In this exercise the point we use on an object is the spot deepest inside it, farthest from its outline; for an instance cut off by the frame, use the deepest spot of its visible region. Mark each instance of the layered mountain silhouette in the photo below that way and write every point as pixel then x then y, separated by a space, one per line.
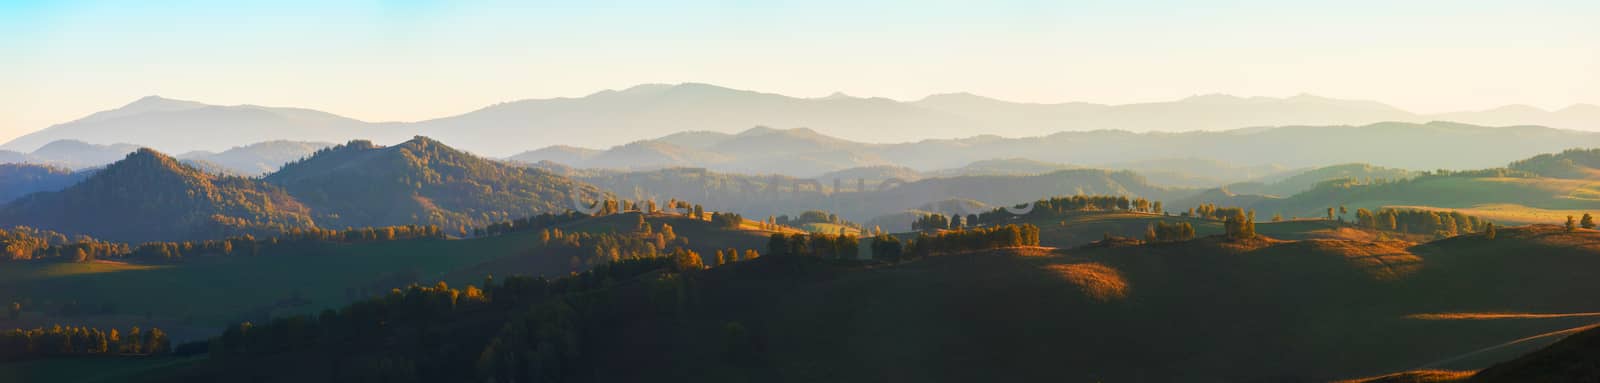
pixel 613 117
pixel 1211 158
pixel 151 196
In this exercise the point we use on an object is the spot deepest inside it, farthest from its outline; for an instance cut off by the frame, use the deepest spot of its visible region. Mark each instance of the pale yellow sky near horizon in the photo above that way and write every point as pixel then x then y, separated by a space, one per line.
pixel 414 60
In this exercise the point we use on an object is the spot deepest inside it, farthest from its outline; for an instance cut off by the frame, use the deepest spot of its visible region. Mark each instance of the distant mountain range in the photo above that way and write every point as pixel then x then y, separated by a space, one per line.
pixel 613 117
pixel 1200 159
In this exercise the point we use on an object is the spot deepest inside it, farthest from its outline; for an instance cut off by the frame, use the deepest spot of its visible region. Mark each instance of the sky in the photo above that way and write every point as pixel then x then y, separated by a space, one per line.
pixel 410 60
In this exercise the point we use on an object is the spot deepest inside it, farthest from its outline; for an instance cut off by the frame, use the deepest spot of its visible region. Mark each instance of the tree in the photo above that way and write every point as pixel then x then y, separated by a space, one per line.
pixel 1572 224
pixel 699 212
pixel 1330 214
pixel 667 233
pixel 750 254
pixel 721 259
pixel 1239 226
pixel 1488 231
pixel 1587 222
pixel 687 260
pixel 777 244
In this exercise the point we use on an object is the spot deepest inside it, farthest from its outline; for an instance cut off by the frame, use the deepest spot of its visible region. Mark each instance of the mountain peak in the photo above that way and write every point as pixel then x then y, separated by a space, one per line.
pixel 155 102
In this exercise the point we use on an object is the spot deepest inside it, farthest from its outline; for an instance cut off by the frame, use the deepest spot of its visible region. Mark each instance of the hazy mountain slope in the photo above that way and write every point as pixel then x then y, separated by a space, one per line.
pixel 150 196
pixel 562 154
pixel 1289 183
pixel 17 180
pixel 1196 171
pixel 1005 166
pixel 184 126
pixel 1449 145
pixel 78 154
pixel 422 181
pixel 849 179
pixel 1576 117
pixel 259 158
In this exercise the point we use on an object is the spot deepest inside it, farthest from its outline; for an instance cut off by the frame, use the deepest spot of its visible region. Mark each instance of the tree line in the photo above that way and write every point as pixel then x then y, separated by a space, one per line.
pixel 1418 221
pixel 1161 231
pixel 980 238
pixel 58 341
pixel 24 243
pixel 814 245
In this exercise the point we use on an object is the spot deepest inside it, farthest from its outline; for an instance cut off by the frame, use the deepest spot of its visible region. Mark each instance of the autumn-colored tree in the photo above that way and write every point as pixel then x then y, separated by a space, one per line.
pixel 1587 222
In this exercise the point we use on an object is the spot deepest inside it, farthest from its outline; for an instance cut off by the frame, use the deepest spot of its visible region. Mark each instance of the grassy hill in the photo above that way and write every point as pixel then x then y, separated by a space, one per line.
pixel 421 181
pixel 151 196
pixel 193 297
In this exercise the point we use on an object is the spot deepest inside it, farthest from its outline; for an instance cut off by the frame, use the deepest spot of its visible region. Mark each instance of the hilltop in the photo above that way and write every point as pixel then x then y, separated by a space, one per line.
pixel 422 181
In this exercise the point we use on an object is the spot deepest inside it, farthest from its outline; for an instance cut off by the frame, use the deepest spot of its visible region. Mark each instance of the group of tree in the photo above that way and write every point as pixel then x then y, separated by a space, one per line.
pixel 814 245
pixel 1418 221
pixel 24 243
pixel 1240 225
pixel 726 220
pixel 58 341
pixel 814 216
pixel 536 222
pixel 1161 231
pixel 593 249
pixel 978 238
pixel 1587 222
pixel 1059 206
pixel 1213 212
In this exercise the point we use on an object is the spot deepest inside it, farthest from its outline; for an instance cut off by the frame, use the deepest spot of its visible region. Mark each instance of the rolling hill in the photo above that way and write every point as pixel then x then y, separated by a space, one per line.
pixel 422 181
pixel 151 196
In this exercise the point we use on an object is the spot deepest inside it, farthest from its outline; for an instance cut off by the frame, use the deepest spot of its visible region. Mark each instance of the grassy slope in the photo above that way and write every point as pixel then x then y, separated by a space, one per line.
pixel 209 292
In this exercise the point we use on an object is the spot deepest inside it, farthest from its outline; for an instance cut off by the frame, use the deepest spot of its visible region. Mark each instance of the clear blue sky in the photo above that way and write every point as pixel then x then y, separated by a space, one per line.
pixel 409 60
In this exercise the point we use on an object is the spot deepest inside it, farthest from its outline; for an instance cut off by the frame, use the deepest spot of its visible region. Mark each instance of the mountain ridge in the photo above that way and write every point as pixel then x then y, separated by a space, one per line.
pixel 607 118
